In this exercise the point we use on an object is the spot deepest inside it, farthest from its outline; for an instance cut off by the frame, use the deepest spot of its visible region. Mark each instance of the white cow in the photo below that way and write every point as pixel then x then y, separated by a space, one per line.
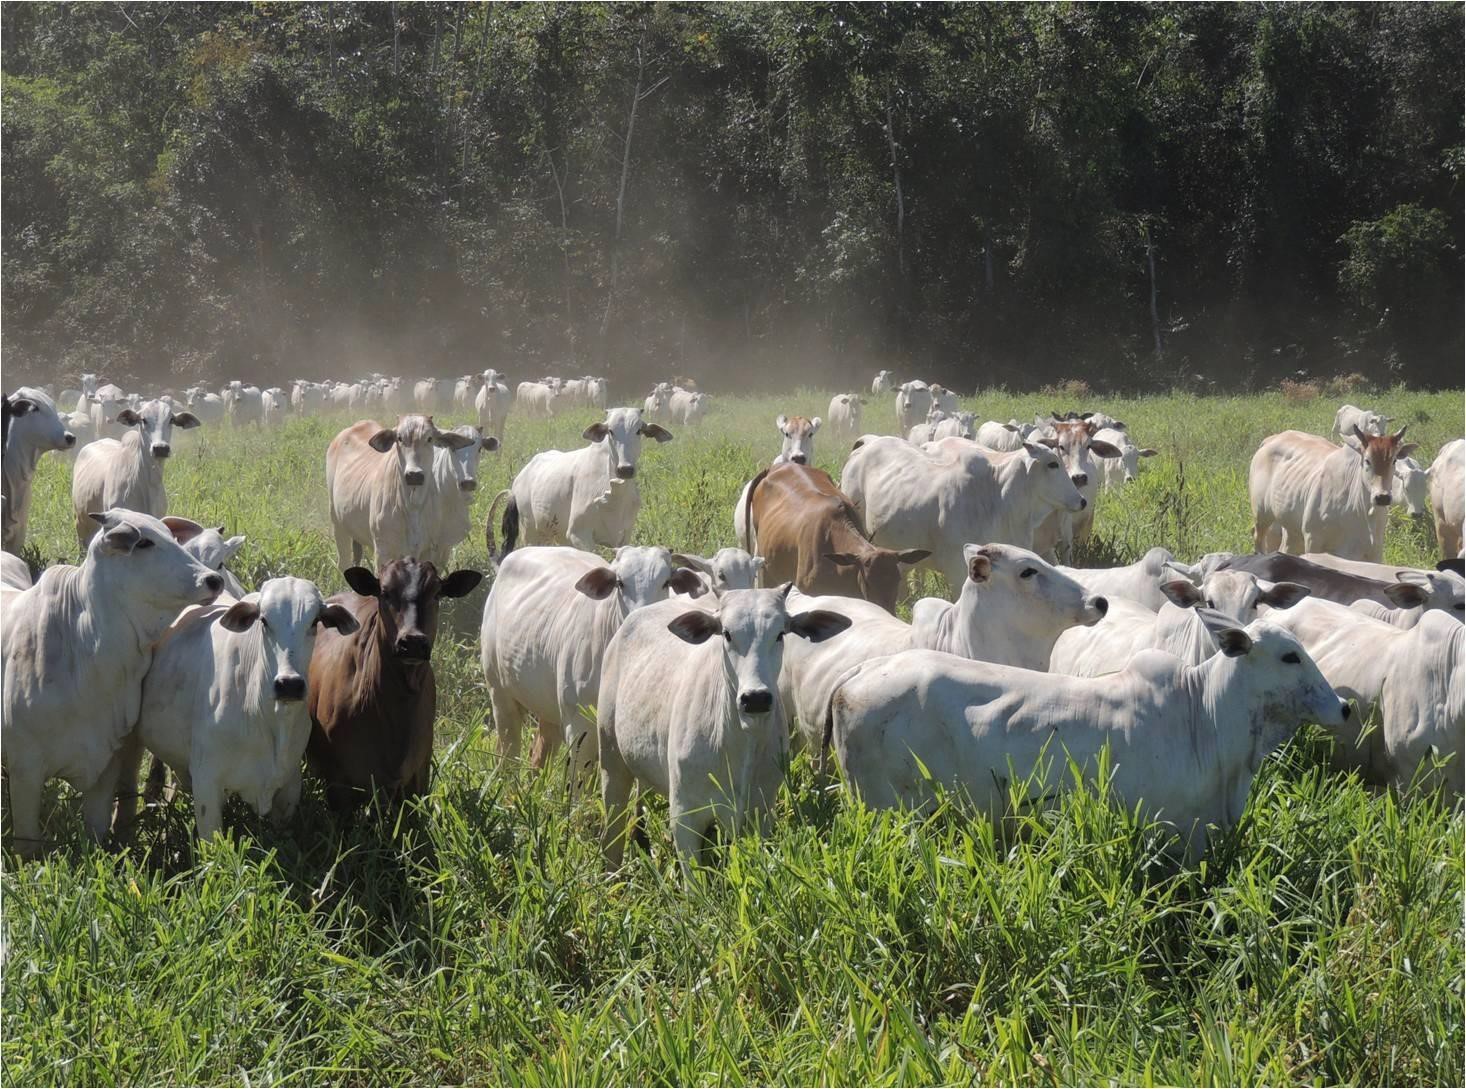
pixel 208 407
pixel 1409 681
pixel 587 498
pixel 80 425
pixel 547 622
pixel 1309 495
pixel 1184 742
pixel 31 428
pixel 493 403
pixel 74 650
pixel 106 403
pixel 537 400
pixel 274 406
pixel 1078 446
pixel 960 425
pixel 597 392
pixel 883 382
pixel 13 572
pixel 948 493
pixel 126 473
pixel 1448 496
pixel 1126 467
pixel 1412 486
pixel 688 408
pixel 1139 581
pixel 923 433
pixel 223 703
pixel 1443 590
pixel 943 399
pixel 1004 437
pixel 1012 607
pixel 210 547
pixel 1177 628
pixel 658 405
pixel 726 569
pixel 913 402
pixel 1367 420
pixel 697 718
pixel 455 478
pixel 796 435
pixel 465 390
pixel 380 495
pixel 844 414
pixel 243 404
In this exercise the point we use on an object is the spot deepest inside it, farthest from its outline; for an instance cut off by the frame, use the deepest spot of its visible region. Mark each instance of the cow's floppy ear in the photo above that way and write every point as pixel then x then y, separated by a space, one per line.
pixel 383 440
pixel 598 583
pixel 121 537
pixel 183 529
pixel 241 615
pixel 1406 450
pixel 1147 452
pixel 232 547
pixel 19 406
pixel 362 581
pixel 459 583
pixel 781 422
pixel 817 625
pixel 814 424
pixel 127 418
pixel 656 431
pixel 697 563
pixel 186 420
pixel 1284 595
pixel 685 581
pixel 452 440
pixel 913 555
pixel 1231 640
pixel 1182 594
pixel 338 617
pixel 1456 564
pixel 1406 595
pixel 489 443
pixel 841 559
pixel 595 432
pixel 695 627
pixel 979 567
pixel 1104 449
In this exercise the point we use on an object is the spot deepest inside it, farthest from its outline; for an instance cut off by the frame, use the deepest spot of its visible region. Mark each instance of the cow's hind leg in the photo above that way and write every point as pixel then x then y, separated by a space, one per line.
pixel 508 722
pixel 25 811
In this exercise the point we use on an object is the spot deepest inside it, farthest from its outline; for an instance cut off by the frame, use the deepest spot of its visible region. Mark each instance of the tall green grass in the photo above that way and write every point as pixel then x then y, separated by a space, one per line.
pixel 478 940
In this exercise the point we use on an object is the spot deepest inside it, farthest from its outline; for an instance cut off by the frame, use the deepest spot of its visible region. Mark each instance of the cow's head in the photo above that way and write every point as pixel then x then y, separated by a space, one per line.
pixel 1078 447
pixel 1019 589
pixel 878 571
pixel 1377 455
pixel 155 421
pixel 32 422
pixel 622 431
pixel 408 592
pixel 728 569
pixel 287 612
pixel 208 545
pixel 641 575
pixel 1412 484
pixel 413 439
pixel 466 458
pixel 139 554
pixel 752 625
pixel 1237 594
pixel 797 433
pixel 1053 488
pixel 89 384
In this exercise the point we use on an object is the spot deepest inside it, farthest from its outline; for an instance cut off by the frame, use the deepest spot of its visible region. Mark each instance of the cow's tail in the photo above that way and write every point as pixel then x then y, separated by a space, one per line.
pixel 748 510
pixel 511 524
pixel 827 735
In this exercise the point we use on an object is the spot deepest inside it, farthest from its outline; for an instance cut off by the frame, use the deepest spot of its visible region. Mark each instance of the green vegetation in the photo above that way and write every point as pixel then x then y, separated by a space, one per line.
pixel 481 942
pixel 1138 193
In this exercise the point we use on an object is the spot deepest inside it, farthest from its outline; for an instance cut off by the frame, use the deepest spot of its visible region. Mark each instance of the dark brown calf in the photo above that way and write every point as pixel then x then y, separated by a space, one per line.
pixel 809 534
pixel 373 696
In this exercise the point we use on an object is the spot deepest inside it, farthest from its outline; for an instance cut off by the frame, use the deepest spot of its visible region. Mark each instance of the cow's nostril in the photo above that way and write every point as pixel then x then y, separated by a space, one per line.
pixel 161 450
pixel 1083 502
pixel 413 476
pixel 213 583
pixel 70 439
pixel 1080 479
pixel 1381 501
pixel 1102 605
pixel 757 702
pixel 468 485
pixel 626 472
pixel 799 459
pixel 1346 709
pixel 290 687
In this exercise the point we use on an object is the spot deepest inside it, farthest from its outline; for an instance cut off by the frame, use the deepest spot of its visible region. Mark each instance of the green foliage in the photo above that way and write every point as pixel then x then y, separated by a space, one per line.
pixel 480 942
pixel 973 191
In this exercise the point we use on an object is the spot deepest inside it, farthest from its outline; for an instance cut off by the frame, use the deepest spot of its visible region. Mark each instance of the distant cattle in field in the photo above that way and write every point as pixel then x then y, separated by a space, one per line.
pixel 844 414
pixel 1309 495
pixel 796 435
pixel 883 382
pixel 492 403
pixel 913 402
pixel 1367 420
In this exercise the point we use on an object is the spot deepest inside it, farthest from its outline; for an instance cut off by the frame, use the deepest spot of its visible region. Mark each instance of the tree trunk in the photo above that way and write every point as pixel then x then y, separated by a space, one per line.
pixel 900 199
pixel 621 190
pixel 396 41
pixel 1155 314
pixel 559 179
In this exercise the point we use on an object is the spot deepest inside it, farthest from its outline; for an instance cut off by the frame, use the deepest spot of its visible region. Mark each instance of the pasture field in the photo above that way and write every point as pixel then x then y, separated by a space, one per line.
pixel 480 941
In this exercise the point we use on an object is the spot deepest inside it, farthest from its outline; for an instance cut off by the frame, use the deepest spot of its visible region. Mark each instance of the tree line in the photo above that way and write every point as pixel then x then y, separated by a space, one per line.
pixel 1131 194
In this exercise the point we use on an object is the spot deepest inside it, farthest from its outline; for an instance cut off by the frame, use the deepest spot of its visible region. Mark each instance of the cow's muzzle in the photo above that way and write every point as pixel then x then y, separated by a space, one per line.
pixel 413 649
pixel 290 687
pixel 468 485
pixel 757 701
pixel 799 459
pixel 162 450
pixel 69 439
pixel 412 477
pixel 1382 500
pixel 625 472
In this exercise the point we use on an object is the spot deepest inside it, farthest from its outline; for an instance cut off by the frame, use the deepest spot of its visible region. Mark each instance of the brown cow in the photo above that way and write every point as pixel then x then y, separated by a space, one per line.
pixel 809 533
pixel 373 696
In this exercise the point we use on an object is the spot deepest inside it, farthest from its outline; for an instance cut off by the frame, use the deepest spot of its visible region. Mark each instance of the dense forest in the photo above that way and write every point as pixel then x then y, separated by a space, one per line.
pixel 1132 194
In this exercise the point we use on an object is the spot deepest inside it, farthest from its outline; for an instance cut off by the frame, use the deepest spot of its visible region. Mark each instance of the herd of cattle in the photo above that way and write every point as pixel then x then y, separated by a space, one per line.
pixel 671 671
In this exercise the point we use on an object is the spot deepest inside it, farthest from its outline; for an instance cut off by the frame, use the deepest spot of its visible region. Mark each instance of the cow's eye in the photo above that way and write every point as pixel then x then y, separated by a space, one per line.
pixel 779 638
pixel 1210 604
pixel 1053 465
pixel 1292 658
pixel 146 543
pixel 727 637
pixel 1028 572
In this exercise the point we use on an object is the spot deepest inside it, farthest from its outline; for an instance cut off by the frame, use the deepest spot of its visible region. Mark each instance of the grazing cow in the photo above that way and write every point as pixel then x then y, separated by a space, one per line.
pixel 492 403
pixel 378 482
pixel 1003 437
pixel 797 445
pixel 547 622
pixel 1176 629
pixel 1126 467
pixel 958 425
pixel 1012 607
pixel 373 696
pixel 1139 581
pixel 586 498
pixel 695 718
pixel 913 402
pixel 688 408
pixel 14 572
pixel 455 479
pixel 809 534
pixel 1309 495
pixel 946 494
pixel 883 382
pixel 1410 681
pixel 726 569
pixel 74 649
pixel 844 414
pixel 1367 420
pixel 1184 742
pixel 31 427
pixel 1078 447
pixel 126 473
pixel 1403 588
pixel 1448 496
pixel 223 703
pixel 1412 486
